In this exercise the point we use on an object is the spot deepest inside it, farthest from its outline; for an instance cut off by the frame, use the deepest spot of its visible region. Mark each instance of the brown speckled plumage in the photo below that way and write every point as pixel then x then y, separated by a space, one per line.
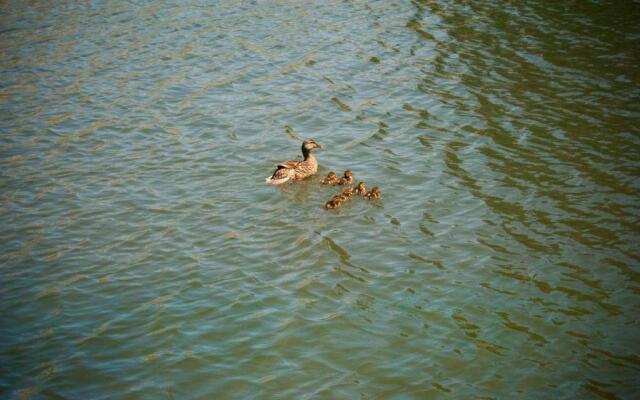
pixel 293 170
pixel 330 179
pixel 373 194
pixel 333 203
pixel 347 178
pixel 360 189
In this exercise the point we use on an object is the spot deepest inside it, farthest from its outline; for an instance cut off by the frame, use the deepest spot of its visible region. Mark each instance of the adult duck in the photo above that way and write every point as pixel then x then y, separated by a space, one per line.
pixel 294 170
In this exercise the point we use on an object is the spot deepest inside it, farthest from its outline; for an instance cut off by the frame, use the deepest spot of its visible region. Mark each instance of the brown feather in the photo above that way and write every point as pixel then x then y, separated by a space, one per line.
pixel 296 169
pixel 289 164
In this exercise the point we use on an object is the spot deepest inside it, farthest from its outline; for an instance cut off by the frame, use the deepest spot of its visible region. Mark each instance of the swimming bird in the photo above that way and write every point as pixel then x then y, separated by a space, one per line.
pixel 333 203
pixel 330 179
pixel 346 179
pixel 293 170
pixel 373 194
pixel 360 189
pixel 348 192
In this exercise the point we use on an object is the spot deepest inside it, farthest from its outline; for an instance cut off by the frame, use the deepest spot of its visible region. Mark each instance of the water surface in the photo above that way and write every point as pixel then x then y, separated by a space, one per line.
pixel 142 256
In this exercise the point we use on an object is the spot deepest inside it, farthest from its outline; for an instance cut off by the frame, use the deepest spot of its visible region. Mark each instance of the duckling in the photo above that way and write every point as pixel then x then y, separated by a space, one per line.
pixel 293 170
pixel 348 192
pixel 335 202
pixel 347 179
pixel 373 194
pixel 330 179
pixel 360 189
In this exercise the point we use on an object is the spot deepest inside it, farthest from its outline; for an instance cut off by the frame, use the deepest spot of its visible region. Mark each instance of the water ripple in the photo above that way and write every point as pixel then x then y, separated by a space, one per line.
pixel 142 256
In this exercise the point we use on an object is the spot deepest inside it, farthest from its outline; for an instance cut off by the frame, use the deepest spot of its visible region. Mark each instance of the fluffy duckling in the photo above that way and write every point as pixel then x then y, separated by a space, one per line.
pixel 373 194
pixel 348 192
pixel 360 190
pixel 335 202
pixel 347 178
pixel 330 179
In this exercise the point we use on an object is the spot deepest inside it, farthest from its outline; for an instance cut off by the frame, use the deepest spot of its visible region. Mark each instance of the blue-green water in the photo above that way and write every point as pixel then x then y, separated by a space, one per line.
pixel 142 255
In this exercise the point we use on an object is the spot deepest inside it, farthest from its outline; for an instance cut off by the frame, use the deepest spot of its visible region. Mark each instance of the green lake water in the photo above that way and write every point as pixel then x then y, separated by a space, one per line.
pixel 143 257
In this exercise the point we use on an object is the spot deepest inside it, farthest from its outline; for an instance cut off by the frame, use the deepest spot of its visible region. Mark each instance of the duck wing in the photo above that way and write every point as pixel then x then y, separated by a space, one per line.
pixel 289 164
pixel 284 171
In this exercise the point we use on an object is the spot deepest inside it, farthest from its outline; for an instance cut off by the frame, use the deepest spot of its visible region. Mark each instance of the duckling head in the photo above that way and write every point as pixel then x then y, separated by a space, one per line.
pixel 347 192
pixel 331 175
pixel 361 188
pixel 348 174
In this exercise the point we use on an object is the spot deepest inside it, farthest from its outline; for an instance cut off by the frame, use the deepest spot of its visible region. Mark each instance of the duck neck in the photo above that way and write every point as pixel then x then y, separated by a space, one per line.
pixel 306 154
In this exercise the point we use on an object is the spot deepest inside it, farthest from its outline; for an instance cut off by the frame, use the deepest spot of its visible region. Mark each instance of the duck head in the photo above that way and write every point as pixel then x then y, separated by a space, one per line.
pixel 309 145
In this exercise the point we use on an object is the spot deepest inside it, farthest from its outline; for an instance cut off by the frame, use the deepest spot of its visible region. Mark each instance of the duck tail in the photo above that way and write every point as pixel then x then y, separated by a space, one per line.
pixel 271 181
